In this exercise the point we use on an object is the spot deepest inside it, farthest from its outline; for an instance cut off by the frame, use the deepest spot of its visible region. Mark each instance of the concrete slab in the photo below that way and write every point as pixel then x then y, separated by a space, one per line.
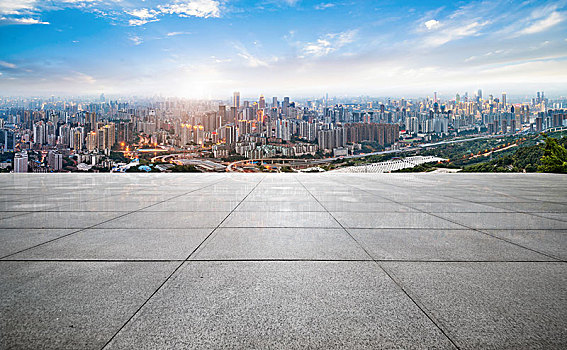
pixel 120 244
pixel 280 219
pixel 12 240
pixel 393 220
pixel 58 219
pixel 370 207
pixel 146 219
pixel 440 245
pixel 280 243
pixel 532 207
pixel 263 206
pixel 457 207
pixel 281 305
pixel 71 305
pixel 552 242
pixel 492 305
pixel 504 221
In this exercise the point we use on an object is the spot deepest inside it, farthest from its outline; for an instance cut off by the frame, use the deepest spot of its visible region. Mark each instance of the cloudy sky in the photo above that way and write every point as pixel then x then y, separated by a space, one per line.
pixel 209 48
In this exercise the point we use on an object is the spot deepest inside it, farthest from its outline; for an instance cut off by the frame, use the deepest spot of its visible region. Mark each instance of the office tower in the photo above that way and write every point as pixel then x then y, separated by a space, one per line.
pixel 479 94
pixel 77 138
pixel 91 141
pixel 274 102
pixel 64 135
pixel 39 133
pixel 106 136
pixel 222 114
pixel 90 121
pixel 55 160
pixel 199 134
pixel 21 162
pixel 236 100
pixel 7 140
pixel 234 115
pixel 262 102
pixel 285 106
pixel 435 96
pixel 504 100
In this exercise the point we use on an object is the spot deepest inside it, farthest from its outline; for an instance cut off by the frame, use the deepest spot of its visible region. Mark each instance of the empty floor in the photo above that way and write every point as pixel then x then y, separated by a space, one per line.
pixel 412 261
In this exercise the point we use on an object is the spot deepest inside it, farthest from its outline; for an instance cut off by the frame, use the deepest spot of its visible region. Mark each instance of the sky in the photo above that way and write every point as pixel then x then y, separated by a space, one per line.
pixel 209 48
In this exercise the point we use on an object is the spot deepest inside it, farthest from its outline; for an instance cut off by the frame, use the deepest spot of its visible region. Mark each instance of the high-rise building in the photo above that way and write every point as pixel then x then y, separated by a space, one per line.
pixel 236 100
pixel 285 106
pixel 262 102
pixel 222 114
pixel 504 100
pixel 39 133
pixel 106 136
pixel 91 141
pixel 55 160
pixel 77 138
pixel 90 121
pixel 7 140
pixel 21 162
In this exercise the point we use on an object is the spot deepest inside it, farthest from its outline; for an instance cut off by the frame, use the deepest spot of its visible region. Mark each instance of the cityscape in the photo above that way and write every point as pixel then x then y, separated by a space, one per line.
pixel 120 135
pixel 283 174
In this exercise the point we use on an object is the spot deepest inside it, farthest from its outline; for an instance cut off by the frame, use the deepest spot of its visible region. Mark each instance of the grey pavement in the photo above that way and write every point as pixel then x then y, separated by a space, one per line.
pixel 283 261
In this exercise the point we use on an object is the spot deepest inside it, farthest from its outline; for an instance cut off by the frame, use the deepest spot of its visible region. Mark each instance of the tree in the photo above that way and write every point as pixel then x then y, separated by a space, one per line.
pixel 554 158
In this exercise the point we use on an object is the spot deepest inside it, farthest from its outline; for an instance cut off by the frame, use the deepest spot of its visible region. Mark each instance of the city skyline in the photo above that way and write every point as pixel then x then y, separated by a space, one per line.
pixel 208 49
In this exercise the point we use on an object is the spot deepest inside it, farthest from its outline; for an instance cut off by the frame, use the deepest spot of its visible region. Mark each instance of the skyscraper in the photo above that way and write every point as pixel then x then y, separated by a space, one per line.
pixel 236 100
pixel 21 162
pixel 504 100
pixel 55 160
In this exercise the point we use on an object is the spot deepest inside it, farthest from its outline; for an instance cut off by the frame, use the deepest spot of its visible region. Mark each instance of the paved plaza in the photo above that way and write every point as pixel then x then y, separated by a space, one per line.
pixel 283 261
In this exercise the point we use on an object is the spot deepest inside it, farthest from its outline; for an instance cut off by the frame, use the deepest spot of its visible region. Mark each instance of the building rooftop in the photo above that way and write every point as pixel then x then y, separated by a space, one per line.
pixel 424 261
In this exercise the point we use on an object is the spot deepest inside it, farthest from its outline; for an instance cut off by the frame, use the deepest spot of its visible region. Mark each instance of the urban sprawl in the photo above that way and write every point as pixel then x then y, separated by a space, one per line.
pixel 160 134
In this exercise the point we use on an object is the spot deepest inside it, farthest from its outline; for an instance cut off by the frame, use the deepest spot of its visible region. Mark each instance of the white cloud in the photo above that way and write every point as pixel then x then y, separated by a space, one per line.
pixel 24 21
pixel 454 32
pixel 432 24
pixel 329 43
pixel 7 64
pixel 143 16
pixel 193 8
pixel 81 78
pixel 251 60
pixel 142 13
pixel 178 33
pixel 544 24
pixel 16 7
pixel 324 6
pixel 136 39
pixel 139 22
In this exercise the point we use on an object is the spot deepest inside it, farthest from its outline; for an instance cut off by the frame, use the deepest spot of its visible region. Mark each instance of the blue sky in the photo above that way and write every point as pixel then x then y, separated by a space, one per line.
pixel 209 48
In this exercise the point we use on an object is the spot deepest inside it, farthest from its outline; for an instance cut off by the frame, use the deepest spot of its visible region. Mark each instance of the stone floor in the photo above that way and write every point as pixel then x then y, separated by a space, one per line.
pixel 412 261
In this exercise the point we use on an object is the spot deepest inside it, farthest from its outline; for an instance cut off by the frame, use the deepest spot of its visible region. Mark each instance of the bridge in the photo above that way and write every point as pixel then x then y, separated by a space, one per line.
pixel 293 163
